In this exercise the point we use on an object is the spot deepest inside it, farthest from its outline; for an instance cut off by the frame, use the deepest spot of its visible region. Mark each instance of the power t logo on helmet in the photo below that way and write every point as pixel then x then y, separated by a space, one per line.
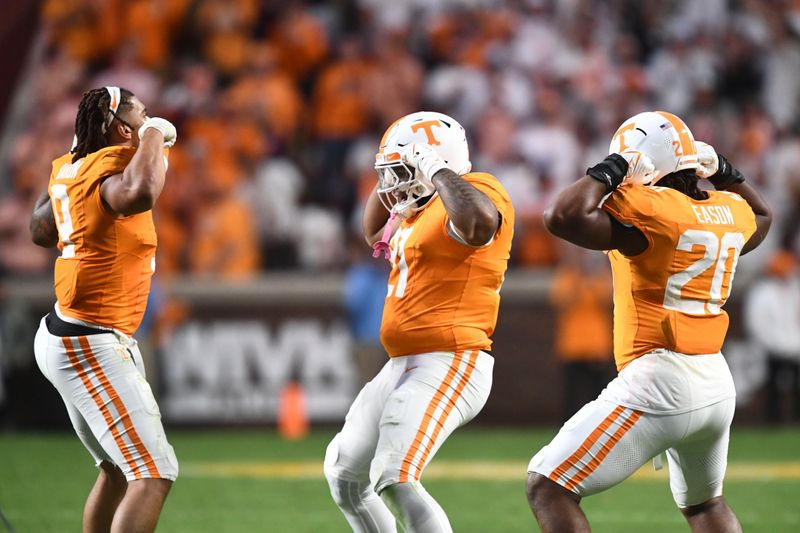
pixel 402 189
pixel 664 138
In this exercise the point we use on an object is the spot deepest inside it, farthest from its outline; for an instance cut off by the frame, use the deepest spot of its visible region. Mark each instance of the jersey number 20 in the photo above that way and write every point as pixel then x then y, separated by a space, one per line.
pixel 717 252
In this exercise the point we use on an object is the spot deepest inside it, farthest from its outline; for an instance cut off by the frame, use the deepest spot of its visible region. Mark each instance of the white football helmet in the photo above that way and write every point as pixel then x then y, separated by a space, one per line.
pixel 399 186
pixel 661 136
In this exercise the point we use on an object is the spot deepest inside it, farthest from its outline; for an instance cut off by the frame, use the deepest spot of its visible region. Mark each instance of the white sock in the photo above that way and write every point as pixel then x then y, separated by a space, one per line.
pixel 415 509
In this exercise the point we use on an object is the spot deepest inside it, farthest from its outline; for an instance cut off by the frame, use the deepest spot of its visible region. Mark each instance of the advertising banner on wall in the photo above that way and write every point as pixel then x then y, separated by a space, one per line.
pixel 231 358
pixel 238 346
pixel 234 370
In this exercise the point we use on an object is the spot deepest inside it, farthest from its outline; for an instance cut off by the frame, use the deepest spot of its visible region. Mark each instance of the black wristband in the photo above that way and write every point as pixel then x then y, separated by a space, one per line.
pixel 726 175
pixel 610 171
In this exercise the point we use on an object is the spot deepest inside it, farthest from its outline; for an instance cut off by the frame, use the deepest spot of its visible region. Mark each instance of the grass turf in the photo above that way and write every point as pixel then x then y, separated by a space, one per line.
pixel 44 480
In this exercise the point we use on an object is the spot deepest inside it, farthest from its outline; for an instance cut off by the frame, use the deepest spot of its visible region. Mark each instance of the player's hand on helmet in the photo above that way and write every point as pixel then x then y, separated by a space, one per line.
pixel 164 126
pixel 707 160
pixel 425 159
pixel 641 169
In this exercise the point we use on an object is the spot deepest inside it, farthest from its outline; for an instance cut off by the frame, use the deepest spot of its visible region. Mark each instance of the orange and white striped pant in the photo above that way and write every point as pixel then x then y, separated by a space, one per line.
pixel 101 379
pixel 401 418
pixel 604 443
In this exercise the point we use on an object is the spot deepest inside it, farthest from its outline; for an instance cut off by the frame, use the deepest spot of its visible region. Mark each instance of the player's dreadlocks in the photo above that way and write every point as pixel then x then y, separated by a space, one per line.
pixel 684 181
pixel 93 119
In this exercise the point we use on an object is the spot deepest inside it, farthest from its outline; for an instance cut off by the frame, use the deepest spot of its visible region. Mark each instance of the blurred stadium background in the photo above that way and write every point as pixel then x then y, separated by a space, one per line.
pixel 263 280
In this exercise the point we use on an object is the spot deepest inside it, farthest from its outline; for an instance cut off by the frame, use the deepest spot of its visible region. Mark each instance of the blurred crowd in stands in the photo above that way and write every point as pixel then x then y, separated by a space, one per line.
pixel 280 105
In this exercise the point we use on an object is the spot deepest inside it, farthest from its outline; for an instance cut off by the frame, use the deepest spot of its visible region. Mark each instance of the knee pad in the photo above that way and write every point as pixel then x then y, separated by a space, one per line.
pixel 344 486
pixel 338 485
pixel 379 476
pixel 331 455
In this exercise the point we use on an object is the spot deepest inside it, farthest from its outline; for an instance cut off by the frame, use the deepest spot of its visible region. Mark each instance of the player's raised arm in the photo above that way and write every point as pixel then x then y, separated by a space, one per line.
pixel 140 184
pixel 471 212
pixel 43 223
pixel 375 218
pixel 760 208
pixel 725 177
pixel 575 214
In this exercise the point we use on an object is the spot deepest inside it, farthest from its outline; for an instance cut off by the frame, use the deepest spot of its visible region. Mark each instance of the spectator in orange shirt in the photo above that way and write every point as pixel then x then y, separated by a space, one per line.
pixel 341 98
pixel 341 112
pixel 581 296
pixel 301 40
pixel 225 243
pixel 268 94
pixel 148 31
pixel 397 79
pixel 225 27
pixel 71 26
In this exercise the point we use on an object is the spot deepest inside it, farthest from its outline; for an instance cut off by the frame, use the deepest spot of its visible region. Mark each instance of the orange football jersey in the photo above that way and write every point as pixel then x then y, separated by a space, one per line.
pixel 103 273
pixel 671 295
pixel 444 295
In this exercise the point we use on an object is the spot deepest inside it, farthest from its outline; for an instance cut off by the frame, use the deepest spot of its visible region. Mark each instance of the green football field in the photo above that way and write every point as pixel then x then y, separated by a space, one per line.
pixel 245 481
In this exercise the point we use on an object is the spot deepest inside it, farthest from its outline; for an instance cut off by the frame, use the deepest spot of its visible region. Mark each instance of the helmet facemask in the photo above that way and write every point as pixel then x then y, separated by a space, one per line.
pixel 399 189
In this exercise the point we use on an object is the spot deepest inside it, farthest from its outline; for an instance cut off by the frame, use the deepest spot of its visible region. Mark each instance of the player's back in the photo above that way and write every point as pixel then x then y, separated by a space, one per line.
pixel 671 295
pixel 103 274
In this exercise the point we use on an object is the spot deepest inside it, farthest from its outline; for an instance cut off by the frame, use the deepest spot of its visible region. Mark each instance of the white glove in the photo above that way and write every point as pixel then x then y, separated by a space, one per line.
pixel 425 159
pixel 707 160
pixel 641 169
pixel 164 126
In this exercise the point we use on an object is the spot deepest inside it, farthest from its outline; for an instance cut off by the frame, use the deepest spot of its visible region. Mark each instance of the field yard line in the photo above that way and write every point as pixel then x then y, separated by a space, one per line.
pixel 455 470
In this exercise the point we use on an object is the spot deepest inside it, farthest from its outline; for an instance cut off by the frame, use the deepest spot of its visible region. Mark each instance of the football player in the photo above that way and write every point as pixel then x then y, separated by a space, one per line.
pixel 673 249
pixel 447 232
pixel 97 209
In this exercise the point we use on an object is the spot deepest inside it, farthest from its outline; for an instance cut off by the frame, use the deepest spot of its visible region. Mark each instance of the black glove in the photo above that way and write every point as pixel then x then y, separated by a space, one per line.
pixel 610 171
pixel 726 175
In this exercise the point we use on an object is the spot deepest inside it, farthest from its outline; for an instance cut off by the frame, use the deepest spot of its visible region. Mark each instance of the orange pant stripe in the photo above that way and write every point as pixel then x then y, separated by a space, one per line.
pixel 604 450
pixel 124 416
pixel 95 394
pixel 451 403
pixel 584 448
pixel 437 397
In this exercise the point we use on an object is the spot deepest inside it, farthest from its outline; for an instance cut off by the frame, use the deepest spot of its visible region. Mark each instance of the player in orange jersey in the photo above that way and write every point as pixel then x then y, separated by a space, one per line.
pixel 97 209
pixel 447 233
pixel 673 250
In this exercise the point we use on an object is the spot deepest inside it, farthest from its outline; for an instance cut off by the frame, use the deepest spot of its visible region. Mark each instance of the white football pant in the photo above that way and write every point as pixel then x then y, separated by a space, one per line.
pixel 392 431
pixel 102 382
